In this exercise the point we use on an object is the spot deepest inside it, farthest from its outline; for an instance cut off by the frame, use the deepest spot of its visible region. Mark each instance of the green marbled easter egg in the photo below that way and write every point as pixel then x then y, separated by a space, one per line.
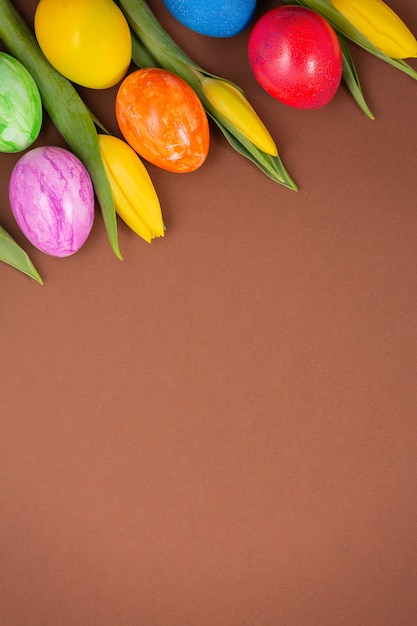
pixel 20 106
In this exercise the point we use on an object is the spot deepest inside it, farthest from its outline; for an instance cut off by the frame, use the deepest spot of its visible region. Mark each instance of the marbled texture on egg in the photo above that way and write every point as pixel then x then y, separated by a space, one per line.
pixel 52 199
pixel 214 18
pixel 163 120
pixel 20 106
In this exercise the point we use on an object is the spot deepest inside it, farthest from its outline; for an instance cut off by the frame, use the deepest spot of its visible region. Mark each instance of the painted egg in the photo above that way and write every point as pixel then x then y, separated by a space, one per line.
pixel 214 18
pixel 52 199
pixel 88 41
pixel 295 55
pixel 20 106
pixel 163 120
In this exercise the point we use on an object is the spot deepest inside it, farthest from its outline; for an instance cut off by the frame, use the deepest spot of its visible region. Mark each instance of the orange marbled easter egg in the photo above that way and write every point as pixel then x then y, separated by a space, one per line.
pixel 163 120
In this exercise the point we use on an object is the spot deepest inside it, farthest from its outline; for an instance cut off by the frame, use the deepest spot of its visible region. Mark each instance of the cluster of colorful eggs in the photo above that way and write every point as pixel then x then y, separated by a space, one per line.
pixel 293 52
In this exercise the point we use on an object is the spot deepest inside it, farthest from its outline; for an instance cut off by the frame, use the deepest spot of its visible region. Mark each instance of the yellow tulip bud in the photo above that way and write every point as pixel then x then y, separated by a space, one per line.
pixel 380 25
pixel 233 106
pixel 134 194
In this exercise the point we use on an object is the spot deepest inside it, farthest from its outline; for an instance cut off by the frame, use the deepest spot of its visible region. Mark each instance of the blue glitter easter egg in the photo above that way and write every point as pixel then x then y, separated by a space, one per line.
pixel 214 18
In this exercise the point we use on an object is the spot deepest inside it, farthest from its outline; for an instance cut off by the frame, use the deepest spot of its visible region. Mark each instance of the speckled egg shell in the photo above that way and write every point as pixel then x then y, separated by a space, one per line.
pixel 214 18
pixel 20 106
pixel 296 57
pixel 52 199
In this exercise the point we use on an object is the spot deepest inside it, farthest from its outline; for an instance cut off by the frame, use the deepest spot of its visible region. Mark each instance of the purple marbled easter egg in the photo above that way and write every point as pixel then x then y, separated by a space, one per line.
pixel 52 199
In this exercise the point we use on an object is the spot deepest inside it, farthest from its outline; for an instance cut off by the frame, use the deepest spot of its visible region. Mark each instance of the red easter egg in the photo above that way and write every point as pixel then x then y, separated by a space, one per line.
pixel 295 56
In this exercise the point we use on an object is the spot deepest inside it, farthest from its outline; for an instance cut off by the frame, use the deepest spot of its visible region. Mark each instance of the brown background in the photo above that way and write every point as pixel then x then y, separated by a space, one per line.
pixel 221 429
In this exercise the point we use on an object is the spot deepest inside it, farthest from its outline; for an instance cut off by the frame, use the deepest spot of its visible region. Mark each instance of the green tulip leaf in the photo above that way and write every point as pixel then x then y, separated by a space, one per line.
pixel 351 78
pixel 12 254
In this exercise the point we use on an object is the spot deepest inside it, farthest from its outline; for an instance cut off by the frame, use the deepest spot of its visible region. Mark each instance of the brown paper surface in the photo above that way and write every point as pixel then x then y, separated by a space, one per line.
pixel 221 428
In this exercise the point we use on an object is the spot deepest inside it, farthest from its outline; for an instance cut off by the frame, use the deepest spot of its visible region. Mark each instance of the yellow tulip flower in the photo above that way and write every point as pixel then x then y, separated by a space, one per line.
pixel 380 25
pixel 235 108
pixel 134 194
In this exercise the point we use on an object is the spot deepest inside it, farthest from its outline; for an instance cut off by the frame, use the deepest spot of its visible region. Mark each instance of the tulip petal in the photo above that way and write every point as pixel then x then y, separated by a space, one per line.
pixel 233 105
pixel 126 211
pixel 135 196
